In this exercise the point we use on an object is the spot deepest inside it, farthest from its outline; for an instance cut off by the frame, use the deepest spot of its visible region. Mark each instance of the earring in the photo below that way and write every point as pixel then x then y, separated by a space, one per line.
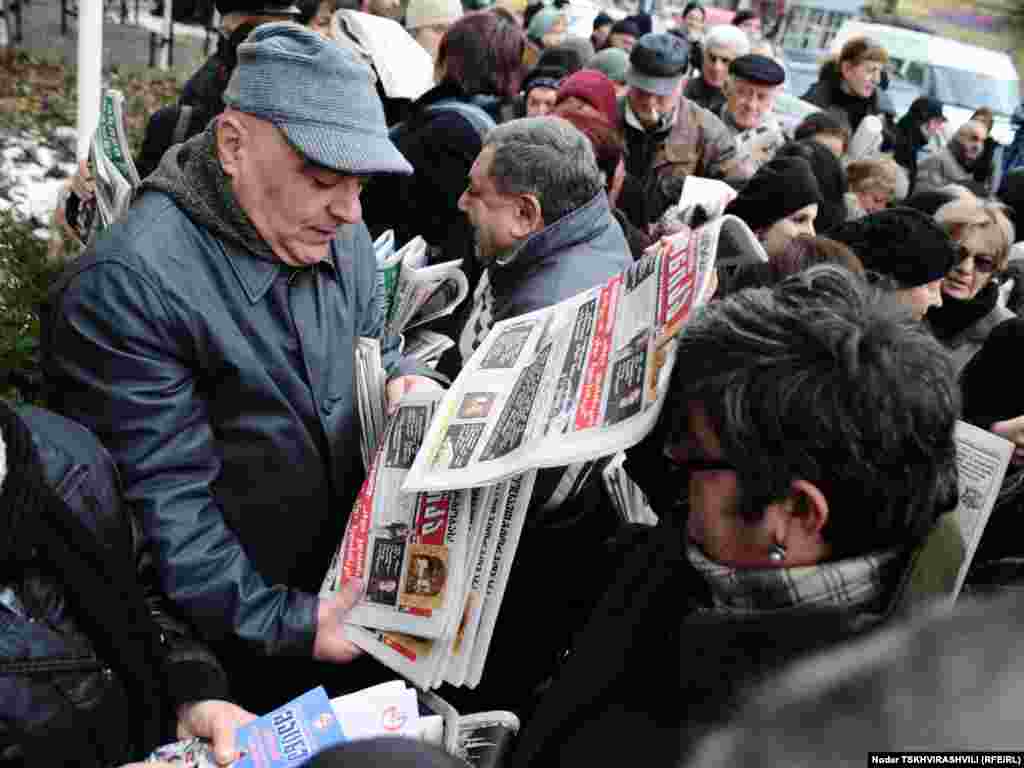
pixel 777 553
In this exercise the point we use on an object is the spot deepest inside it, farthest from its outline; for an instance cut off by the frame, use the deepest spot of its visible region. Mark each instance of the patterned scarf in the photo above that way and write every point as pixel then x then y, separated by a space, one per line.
pixel 857 583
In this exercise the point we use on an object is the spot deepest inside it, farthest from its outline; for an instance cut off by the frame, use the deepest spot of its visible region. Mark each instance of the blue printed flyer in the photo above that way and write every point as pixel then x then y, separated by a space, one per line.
pixel 289 736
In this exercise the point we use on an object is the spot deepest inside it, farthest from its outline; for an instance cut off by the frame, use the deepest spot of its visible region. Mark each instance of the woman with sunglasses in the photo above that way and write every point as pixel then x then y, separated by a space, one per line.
pixel 970 307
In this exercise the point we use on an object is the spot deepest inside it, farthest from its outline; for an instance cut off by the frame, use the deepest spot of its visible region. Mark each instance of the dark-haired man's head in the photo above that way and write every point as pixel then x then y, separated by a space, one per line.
pixel 828 127
pixel 818 416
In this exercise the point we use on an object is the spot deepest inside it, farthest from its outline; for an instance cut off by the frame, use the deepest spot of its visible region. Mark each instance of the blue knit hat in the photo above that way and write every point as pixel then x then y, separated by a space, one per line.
pixel 319 94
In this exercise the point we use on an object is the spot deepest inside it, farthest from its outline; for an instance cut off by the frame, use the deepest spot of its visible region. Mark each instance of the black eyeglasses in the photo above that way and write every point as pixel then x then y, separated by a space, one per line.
pixel 982 263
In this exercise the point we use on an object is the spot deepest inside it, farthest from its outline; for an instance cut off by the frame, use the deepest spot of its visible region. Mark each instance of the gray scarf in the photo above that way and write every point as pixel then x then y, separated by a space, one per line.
pixel 191 175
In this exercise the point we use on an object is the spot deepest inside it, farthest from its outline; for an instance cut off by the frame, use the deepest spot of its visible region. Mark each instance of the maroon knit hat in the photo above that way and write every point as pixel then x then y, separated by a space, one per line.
pixel 593 87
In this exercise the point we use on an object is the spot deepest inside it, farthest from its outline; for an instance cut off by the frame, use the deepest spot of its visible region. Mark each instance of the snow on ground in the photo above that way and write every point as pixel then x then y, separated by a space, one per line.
pixel 32 171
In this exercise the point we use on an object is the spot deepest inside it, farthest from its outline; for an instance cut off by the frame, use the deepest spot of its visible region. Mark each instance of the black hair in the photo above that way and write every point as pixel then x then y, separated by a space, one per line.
pixel 827 379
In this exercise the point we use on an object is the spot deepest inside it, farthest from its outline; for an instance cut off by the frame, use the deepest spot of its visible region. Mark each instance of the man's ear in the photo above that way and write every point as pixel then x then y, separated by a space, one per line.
pixel 231 136
pixel 809 508
pixel 529 216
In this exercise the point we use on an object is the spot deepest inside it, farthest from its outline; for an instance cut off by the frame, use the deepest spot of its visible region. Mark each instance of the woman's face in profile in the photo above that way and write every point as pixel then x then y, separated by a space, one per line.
pixel 799 222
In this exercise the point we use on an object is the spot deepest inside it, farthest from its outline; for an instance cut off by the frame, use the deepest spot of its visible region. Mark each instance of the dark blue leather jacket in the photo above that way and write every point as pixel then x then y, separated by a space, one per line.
pixel 54 690
pixel 223 386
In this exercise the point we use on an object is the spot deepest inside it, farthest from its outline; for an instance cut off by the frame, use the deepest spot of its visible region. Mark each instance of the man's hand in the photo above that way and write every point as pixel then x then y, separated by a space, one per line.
pixel 214 720
pixel 331 643
pixel 1012 430
pixel 399 386
pixel 82 183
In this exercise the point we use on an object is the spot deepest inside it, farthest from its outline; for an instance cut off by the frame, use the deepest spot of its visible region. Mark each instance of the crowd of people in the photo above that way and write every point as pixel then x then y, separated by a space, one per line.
pixel 171 513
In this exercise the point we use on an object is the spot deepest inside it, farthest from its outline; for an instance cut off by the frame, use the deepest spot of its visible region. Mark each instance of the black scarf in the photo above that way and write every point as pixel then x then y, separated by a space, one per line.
pixel 103 591
pixel 956 315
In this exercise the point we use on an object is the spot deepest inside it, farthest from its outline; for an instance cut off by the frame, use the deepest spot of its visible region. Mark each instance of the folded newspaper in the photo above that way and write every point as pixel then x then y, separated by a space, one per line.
pixel 293 734
pixel 435 564
pixel 112 169
pixel 582 379
pixel 371 396
pixel 413 293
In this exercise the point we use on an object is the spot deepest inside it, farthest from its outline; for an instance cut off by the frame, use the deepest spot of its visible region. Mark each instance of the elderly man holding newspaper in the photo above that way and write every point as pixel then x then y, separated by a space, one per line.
pixel 545 232
pixel 806 447
pixel 207 338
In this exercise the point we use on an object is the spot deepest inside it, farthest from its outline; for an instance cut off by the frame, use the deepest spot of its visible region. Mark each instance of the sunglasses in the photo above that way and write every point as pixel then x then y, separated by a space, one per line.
pixel 982 263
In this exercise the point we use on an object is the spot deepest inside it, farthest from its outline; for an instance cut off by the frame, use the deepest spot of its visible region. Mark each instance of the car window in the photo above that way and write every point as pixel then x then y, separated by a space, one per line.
pixel 974 90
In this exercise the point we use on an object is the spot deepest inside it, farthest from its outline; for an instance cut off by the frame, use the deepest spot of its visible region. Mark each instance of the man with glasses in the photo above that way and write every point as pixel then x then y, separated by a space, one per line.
pixel 956 163
pixel 722 45
pixel 805 449
pixel 754 81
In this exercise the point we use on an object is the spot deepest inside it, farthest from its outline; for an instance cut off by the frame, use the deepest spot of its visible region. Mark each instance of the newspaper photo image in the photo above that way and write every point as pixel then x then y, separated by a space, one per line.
pixel 581 379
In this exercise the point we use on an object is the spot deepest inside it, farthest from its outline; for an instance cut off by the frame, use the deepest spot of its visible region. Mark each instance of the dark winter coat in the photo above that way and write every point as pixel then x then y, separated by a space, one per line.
pixel 650 673
pixel 907 142
pixel 828 93
pixel 441 147
pixel 63 694
pixel 652 670
pixel 702 94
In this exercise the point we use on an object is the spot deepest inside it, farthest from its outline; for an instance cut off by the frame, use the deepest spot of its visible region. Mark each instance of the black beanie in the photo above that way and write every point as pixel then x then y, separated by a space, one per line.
pixel 780 187
pixel 831 178
pixel 992 393
pixel 258 7
pixel 900 242
pixel 929 201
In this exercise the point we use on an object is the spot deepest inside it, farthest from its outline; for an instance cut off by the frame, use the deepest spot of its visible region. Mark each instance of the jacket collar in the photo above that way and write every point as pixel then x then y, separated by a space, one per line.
pixel 586 223
pixel 256 275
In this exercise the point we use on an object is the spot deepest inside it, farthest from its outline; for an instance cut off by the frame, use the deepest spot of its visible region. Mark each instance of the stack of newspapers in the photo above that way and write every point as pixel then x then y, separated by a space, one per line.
pixel 413 293
pixel 434 531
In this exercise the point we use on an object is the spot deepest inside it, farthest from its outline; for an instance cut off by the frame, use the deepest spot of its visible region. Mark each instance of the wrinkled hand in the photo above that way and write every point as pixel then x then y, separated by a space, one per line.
pixel 331 643
pixel 216 721
pixel 1012 430
pixel 82 183
pixel 399 386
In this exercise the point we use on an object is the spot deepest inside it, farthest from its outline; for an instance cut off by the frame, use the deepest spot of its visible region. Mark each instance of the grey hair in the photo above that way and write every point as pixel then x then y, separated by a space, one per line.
pixel 547 157
pixel 727 36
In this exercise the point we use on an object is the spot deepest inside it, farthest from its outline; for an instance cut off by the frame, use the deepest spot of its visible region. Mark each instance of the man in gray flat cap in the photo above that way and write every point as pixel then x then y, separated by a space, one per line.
pixel 207 338
pixel 754 82
pixel 667 135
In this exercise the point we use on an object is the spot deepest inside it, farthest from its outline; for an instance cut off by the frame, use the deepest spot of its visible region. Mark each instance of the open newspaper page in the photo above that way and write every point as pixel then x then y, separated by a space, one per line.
pixel 114 137
pixel 371 396
pixel 409 548
pixel 581 379
pixel 982 458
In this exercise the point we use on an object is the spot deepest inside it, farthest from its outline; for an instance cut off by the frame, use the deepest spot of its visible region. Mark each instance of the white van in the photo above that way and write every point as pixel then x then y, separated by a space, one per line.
pixel 963 77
